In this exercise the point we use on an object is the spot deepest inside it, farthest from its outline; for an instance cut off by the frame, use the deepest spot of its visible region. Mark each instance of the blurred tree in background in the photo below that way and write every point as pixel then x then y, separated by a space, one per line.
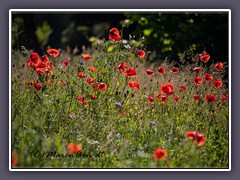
pixel 170 34
pixel 166 34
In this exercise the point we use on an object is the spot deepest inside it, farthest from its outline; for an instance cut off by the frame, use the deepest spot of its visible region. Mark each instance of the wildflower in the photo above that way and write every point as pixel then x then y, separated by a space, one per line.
pixel 174 70
pixel 122 112
pixel 86 57
pixel 210 98
pixel 90 80
pixel 82 100
pixel 118 104
pixel 114 35
pixel 149 72
pixel 159 154
pixel 81 75
pixel 82 63
pixel 141 54
pixel 150 99
pixel 176 98
pixel 196 98
pixel 122 66
pixel 14 159
pixel 64 63
pixel 161 70
pixel 74 148
pixel 48 72
pixel 39 70
pixel 53 52
pixel 134 85
pixel 167 88
pixel 102 87
pixel 207 77
pixel 45 59
pixel 163 98
pixel 37 85
pixel 198 69
pixel 93 69
pixel 196 136
pixel 218 66
pixel 217 83
pixel 93 97
pixel 60 83
pixel 33 60
pixel 182 88
pixel 131 72
pixel 204 57
pixel 197 80
pixel 224 97
pixel 95 85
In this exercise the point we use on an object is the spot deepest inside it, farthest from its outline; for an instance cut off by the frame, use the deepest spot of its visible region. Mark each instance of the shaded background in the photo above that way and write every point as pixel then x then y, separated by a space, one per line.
pixel 166 34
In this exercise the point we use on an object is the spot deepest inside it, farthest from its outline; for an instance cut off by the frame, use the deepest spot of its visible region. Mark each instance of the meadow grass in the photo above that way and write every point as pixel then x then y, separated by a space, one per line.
pixel 120 128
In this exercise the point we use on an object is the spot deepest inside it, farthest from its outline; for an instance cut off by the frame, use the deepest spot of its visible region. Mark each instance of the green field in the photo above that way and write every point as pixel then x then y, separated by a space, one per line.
pixel 116 127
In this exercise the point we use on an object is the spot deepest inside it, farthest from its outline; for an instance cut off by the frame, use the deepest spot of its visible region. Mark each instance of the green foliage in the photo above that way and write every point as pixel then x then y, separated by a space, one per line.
pixel 43 32
pixel 172 33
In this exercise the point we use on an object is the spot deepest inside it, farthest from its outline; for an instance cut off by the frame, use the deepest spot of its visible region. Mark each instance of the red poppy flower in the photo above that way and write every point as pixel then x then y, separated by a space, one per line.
pixel 45 59
pixel 14 159
pixel 196 136
pixel 196 98
pixel 122 66
pixel 218 66
pixel 81 75
pixel 48 72
pixel 204 56
pixel 90 80
pixel 161 70
pixel 176 98
pixel 95 85
pixel 93 69
pixel 224 97
pixel 131 72
pixel 217 83
pixel 134 85
pixel 42 64
pixel 174 70
pixel 86 56
pixel 141 54
pixel 37 86
pixel 197 80
pixel 82 100
pixel 122 112
pixel 102 87
pixel 163 98
pixel 149 72
pixel 74 148
pixel 33 60
pixel 159 154
pixel 167 88
pixel 207 77
pixel 60 83
pixel 53 52
pixel 34 57
pixel 210 98
pixel 65 63
pixel 93 97
pixel 49 65
pixel 198 69
pixel 114 35
pixel 150 99
pixel 39 70
pixel 182 88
